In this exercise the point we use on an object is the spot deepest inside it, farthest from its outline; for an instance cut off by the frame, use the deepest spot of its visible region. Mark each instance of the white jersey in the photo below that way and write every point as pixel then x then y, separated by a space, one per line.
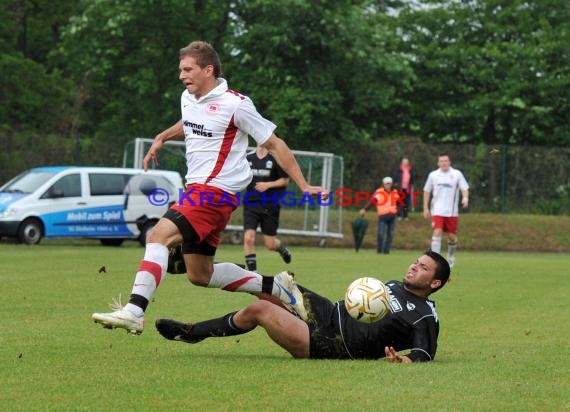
pixel 216 129
pixel 444 188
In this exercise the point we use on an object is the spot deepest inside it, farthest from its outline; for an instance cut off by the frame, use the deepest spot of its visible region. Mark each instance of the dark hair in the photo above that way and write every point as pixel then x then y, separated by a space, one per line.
pixel 442 271
pixel 442 154
pixel 204 54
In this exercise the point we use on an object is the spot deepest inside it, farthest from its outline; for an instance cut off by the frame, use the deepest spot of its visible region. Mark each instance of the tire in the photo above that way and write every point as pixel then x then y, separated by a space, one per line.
pixel 30 231
pixel 236 238
pixel 112 242
pixel 144 231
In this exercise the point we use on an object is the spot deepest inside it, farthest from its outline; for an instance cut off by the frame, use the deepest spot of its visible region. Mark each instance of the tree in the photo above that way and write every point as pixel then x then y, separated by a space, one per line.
pixel 34 95
pixel 32 28
pixel 34 98
pixel 123 56
pixel 325 71
pixel 489 71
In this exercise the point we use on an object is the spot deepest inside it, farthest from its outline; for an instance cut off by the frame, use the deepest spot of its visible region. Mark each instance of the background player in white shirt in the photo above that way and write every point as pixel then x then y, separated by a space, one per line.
pixel 215 123
pixel 443 186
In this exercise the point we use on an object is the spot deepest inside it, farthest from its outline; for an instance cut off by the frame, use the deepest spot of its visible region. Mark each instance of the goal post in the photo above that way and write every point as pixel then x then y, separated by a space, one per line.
pixel 298 217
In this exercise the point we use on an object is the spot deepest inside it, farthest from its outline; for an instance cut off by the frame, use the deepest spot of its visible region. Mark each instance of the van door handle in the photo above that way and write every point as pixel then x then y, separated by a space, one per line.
pixel 81 203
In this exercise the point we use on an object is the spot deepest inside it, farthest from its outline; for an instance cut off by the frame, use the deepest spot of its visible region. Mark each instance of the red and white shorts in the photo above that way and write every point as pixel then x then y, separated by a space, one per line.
pixel 447 223
pixel 208 209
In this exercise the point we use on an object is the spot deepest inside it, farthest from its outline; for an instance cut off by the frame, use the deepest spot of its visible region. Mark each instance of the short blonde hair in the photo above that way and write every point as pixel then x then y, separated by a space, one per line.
pixel 204 54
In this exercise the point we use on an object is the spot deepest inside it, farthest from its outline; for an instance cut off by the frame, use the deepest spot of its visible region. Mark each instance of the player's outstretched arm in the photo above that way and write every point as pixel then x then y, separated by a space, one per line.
pixel 284 156
pixel 172 132
pixel 394 356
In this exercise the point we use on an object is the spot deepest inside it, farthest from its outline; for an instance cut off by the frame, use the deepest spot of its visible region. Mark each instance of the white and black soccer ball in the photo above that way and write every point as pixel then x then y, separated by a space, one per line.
pixel 367 300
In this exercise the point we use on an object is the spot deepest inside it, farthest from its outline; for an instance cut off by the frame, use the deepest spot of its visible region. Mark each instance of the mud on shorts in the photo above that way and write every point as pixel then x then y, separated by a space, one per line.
pixel 325 341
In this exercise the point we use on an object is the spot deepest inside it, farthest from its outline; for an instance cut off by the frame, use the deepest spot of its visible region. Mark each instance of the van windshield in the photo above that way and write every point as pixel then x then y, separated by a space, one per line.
pixel 27 182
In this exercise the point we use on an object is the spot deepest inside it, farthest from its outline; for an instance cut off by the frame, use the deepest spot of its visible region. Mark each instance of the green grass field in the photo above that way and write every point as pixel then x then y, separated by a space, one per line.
pixel 504 342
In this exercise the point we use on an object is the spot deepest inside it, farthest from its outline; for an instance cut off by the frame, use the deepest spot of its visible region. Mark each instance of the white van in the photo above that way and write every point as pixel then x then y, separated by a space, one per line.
pixel 110 204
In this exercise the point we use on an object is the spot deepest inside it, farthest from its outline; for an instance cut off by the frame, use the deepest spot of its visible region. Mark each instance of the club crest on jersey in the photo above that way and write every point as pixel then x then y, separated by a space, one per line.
pixel 410 306
pixel 268 164
pixel 212 108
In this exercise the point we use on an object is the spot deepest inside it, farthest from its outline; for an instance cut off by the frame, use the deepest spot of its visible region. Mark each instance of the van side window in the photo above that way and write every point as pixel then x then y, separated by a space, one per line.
pixel 67 186
pixel 105 184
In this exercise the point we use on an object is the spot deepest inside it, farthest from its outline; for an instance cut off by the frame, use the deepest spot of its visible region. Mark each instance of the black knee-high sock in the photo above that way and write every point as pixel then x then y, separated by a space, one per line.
pixel 223 326
pixel 267 284
pixel 251 262
pixel 282 247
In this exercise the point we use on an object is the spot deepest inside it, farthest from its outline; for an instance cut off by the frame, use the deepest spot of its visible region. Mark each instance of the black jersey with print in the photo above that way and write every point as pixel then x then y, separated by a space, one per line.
pixel 411 325
pixel 264 170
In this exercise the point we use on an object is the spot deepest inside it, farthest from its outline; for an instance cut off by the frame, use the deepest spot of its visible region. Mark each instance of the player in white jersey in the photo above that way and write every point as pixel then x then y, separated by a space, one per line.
pixel 215 123
pixel 443 186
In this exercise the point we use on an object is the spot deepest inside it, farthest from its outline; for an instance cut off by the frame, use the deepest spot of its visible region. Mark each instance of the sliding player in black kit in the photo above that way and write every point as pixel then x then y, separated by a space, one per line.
pixel 329 332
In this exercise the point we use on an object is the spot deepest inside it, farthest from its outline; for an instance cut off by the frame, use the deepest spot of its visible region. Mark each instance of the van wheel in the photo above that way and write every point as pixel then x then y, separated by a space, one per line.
pixel 30 231
pixel 144 231
pixel 236 238
pixel 112 242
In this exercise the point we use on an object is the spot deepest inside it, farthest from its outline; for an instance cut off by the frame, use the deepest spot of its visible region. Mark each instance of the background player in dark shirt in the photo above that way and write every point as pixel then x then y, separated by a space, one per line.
pixel 261 206
pixel 330 333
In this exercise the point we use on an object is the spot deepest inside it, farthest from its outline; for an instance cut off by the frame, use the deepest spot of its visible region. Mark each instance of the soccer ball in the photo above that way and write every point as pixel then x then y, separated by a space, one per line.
pixel 367 300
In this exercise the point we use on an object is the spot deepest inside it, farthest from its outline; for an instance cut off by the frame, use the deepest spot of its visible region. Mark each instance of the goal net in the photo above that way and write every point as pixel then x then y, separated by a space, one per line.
pixel 300 216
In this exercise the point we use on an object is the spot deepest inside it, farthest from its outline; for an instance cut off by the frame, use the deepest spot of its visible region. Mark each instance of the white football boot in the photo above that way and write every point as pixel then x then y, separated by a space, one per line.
pixel 290 295
pixel 120 318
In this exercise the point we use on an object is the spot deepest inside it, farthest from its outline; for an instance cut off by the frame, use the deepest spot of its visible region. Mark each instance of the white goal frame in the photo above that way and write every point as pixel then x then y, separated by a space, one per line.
pixel 329 167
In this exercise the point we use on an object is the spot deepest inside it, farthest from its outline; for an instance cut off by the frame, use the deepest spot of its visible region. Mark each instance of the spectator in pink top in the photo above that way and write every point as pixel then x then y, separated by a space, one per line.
pixel 404 181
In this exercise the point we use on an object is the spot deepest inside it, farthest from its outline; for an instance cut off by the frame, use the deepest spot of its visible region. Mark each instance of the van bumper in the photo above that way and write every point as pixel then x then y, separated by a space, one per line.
pixel 9 228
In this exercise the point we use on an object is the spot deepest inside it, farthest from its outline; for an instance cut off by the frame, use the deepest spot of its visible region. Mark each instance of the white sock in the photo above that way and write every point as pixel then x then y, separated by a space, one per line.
pixel 436 244
pixel 231 277
pixel 149 275
pixel 451 248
